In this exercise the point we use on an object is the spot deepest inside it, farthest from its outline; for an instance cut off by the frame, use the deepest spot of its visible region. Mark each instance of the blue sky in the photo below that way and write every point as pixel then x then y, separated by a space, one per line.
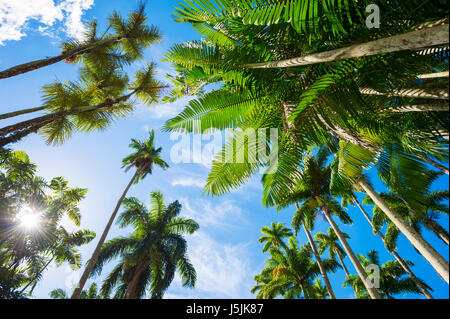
pixel 225 251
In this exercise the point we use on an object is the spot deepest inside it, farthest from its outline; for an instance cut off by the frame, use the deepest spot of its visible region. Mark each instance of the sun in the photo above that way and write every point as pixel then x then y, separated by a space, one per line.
pixel 28 218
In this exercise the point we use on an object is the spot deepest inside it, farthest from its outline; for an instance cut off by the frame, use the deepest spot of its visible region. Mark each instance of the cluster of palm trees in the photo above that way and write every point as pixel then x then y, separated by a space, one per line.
pixel 31 233
pixel 345 99
pixel 103 93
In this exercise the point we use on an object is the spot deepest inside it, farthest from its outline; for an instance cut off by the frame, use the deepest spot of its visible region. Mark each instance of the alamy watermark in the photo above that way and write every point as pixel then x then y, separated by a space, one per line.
pixel 241 146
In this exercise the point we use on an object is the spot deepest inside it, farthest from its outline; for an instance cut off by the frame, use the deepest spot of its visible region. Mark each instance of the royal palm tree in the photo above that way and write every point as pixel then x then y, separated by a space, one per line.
pixel 351 198
pixel 310 110
pixel 391 275
pixel 90 293
pixel 145 156
pixel 152 254
pixel 122 46
pixel 31 234
pixel 93 103
pixel 274 235
pixel 290 273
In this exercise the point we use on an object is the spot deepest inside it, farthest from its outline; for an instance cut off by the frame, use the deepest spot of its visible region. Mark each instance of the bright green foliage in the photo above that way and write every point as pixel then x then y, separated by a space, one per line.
pixel 90 293
pixel 152 253
pixel 25 253
pixel 144 157
pixel 392 278
pixel 290 273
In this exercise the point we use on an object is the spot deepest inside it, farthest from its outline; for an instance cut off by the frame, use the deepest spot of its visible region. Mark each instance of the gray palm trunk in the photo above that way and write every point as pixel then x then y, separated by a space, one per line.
pixel 94 258
pixel 341 260
pixel 437 35
pixel 435 164
pixel 359 268
pixel 34 65
pixel 319 263
pixel 395 254
pixel 422 246
pixel 21 112
pixel 439 94
pixel 131 292
pixel 437 229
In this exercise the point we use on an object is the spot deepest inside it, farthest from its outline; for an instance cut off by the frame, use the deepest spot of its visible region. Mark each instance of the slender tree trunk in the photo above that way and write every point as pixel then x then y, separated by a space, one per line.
pixel 21 112
pixel 361 272
pixel 93 260
pixel 34 280
pixel 424 248
pixel 341 260
pixel 131 292
pixel 433 75
pixel 417 108
pixel 435 164
pixel 440 94
pixel 395 254
pixel 437 229
pixel 319 262
pixel 34 65
pixel 437 35
pixel 22 129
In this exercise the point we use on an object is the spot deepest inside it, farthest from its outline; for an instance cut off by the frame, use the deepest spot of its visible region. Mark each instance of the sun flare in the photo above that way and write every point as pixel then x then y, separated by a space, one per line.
pixel 28 218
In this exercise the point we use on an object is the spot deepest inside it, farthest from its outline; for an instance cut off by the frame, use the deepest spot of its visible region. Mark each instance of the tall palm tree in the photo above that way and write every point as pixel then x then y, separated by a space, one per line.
pixel 311 108
pixel 152 254
pixel 274 235
pixel 146 155
pixel 330 241
pixel 94 102
pixel 90 293
pixel 290 273
pixel 313 190
pixel 391 278
pixel 351 198
pixel 123 46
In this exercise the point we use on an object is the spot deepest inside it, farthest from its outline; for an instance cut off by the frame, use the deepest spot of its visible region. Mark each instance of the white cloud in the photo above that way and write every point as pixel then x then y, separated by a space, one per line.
pixel 188 181
pixel 163 111
pixel 222 214
pixel 15 16
pixel 223 270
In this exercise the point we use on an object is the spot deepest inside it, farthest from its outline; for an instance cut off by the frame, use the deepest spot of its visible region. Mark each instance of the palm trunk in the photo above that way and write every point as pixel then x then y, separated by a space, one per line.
pixel 341 260
pixel 319 262
pixel 440 94
pixel 19 130
pixel 417 108
pixel 424 248
pixel 437 229
pixel 437 35
pixel 21 112
pixel 34 65
pixel 433 75
pixel 35 278
pixel 395 254
pixel 435 164
pixel 93 260
pixel 361 272
pixel 131 292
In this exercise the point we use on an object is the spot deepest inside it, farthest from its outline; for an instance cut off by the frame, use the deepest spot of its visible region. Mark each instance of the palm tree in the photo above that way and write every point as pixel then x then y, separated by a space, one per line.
pixel 290 273
pixel 313 190
pixel 145 156
pixel 152 254
pixel 391 278
pixel 31 236
pixel 94 103
pixel 307 100
pixel 123 46
pixel 90 293
pixel 274 236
